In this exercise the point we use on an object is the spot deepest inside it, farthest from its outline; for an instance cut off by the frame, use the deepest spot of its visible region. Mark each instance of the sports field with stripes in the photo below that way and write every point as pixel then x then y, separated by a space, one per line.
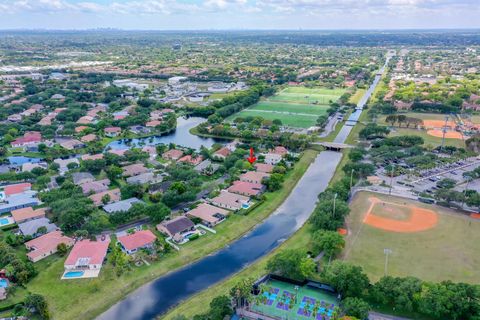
pixel 294 106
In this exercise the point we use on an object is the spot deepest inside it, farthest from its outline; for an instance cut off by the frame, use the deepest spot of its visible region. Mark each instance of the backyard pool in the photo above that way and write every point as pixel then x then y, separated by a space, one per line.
pixel 73 274
pixel 5 221
pixel 3 283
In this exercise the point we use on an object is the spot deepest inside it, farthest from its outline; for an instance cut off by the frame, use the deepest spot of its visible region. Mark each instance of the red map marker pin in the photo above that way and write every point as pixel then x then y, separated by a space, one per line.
pixel 252 158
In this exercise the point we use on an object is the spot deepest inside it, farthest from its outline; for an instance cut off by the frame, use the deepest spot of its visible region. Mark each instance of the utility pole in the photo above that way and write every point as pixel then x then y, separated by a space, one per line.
pixel 386 251
pixel 334 200
pixel 351 178
pixel 444 132
pixel 391 180
pixel 465 191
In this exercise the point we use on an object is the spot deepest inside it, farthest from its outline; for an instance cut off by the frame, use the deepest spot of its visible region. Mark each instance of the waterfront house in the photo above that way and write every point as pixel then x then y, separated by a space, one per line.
pixel 210 215
pixel 247 188
pixel 131 243
pixel 193 160
pixel 172 154
pixel 230 201
pixel 86 259
pixel 177 228
pixel 254 177
pixel 222 153
pixel 112 131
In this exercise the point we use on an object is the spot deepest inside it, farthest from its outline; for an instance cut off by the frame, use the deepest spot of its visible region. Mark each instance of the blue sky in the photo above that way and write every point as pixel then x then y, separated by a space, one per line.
pixel 239 14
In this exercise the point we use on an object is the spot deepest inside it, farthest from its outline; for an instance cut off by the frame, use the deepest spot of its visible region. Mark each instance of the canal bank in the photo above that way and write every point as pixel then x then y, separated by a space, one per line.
pixel 160 295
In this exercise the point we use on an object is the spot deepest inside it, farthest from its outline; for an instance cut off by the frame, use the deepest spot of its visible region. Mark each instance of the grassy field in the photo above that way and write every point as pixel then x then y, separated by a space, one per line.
pixel 87 298
pixel 448 251
pixel 355 98
pixel 295 106
pixel 418 115
pixel 429 140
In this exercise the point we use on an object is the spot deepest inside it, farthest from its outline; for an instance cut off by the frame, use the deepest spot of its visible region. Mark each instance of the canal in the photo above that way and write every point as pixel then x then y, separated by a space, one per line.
pixel 160 295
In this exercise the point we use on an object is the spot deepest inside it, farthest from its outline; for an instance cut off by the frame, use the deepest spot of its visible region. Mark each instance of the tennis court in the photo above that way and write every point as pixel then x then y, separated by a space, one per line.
pixel 288 301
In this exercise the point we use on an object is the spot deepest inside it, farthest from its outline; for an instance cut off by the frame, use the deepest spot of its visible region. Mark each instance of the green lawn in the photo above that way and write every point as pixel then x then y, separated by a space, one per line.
pixel 87 298
pixel 449 251
pixel 295 106
pixel 281 107
pixel 291 120
pixel 355 98
pixel 429 140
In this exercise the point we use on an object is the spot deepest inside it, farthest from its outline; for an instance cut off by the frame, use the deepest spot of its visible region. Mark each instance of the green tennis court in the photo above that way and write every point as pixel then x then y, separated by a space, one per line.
pixel 287 301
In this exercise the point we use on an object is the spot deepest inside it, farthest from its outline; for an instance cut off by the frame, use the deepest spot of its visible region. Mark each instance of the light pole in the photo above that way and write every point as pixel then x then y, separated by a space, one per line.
pixel 391 180
pixel 334 200
pixel 351 178
pixel 386 251
pixel 465 191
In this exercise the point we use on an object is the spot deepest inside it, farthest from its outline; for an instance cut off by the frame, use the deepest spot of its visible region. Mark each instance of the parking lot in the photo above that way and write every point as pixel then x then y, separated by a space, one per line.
pixel 426 180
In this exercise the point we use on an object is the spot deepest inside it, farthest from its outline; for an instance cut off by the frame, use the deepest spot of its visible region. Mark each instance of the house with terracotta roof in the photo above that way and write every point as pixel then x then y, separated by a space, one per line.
pixel 16 188
pixel 172 154
pixel 177 228
pixel 153 123
pixel 71 144
pixel 112 131
pixel 80 129
pixel 89 138
pixel 246 188
pixel 280 150
pixel 210 215
pixel 230 201
pixel 264 167
pixel 114 196
pixel 134 170
pixel 87 157
pixel 86 259
pixel 191 159
pixel 131 243
pixel 222 153
pixel 30 138
pixel 85 120
pixel 254 176
pixel 118 152
pixel 27 214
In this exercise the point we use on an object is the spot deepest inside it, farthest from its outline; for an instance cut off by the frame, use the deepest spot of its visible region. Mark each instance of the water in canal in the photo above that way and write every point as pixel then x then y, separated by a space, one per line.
pixel 161 294
pixel 181 136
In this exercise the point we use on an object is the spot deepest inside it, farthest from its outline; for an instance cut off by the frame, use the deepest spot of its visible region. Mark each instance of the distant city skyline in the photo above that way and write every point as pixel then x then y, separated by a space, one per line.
pixel 239 14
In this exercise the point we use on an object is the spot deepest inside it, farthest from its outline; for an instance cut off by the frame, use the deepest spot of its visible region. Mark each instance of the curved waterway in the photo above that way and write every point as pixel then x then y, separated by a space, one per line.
pixel 159 295
pixel 181 136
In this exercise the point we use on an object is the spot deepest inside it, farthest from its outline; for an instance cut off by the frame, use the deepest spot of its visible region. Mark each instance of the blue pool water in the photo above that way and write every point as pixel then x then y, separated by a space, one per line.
pixel 4 221
pixel 73 274
pixel 3 283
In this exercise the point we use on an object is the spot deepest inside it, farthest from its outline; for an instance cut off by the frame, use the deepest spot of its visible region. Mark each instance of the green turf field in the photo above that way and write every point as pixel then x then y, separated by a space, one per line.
pixel 295 106
pixel 448 251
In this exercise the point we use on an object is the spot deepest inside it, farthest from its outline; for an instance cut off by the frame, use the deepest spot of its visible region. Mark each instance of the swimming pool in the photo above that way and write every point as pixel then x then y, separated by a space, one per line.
pixel 4 221
pixel 73 274
pixel 3 283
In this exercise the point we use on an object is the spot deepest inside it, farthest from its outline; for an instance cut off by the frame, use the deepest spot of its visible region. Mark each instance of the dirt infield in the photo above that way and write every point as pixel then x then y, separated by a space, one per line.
pixel 449 134
pixel 438 124
pixel 399 218
pixel 475 215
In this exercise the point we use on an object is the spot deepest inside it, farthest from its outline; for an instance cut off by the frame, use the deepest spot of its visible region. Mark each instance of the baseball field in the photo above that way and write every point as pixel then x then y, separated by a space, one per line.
pixel 426 241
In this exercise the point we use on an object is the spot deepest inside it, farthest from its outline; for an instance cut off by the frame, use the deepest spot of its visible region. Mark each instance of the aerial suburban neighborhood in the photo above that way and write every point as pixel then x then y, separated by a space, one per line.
pixel 215 175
